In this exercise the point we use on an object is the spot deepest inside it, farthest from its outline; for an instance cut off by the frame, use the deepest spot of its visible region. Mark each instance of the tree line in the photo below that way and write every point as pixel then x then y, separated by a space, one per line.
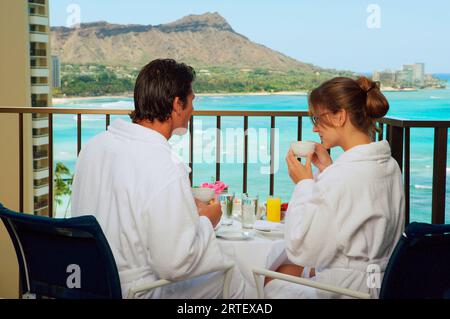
pixel 96 80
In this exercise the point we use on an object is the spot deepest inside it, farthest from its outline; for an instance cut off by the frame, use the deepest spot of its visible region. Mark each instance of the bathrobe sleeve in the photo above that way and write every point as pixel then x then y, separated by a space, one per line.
pixel 181 244
pixel 310 226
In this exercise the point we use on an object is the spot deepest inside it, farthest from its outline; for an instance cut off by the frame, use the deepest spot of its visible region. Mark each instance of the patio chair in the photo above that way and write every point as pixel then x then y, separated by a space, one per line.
pixel 52 252
pixel 419 268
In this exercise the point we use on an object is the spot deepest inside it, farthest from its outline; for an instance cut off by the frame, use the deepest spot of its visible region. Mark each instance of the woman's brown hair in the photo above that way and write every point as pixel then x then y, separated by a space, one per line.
pixel 361 98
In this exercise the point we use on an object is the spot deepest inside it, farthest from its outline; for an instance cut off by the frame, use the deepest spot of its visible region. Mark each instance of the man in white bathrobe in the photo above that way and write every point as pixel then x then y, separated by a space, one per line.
pixel 140 193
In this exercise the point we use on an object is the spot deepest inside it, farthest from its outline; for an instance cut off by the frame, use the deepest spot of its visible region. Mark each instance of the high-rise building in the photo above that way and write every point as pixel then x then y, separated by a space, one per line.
pixel 56 67
pixel 411 75
pixel 40 97
pixel 419 73
pixel 386 77
pixel 376 76
pixel 24 82
pixel 405 77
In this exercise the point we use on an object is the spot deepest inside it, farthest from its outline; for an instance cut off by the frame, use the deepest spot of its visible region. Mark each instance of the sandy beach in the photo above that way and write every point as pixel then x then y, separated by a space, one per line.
pixel 254 94
pixel 391 89
pixel 68 99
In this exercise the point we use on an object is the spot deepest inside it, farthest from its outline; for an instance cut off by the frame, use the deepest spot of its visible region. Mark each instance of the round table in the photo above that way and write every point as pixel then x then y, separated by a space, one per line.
pixel 258 251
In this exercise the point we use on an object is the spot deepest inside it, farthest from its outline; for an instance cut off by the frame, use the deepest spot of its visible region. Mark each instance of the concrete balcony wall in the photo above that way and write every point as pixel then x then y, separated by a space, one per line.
pixel 41 72
pixel 40 141
pixel 39 20
pixel 40 191
pixel 41 174
pixel 40 89
pixel 39 37
pixel 40 123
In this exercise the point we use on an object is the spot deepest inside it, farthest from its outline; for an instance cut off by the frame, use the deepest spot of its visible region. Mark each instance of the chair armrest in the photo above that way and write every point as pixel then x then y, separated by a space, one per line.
pixel 161 283
pixel 305 282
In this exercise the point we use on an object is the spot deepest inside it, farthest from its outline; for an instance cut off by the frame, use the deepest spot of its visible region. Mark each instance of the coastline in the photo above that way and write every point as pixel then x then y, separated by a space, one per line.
pixel 391 89
pixel 63 100
pixel 255 93
pixel 71 99
pixel 68 99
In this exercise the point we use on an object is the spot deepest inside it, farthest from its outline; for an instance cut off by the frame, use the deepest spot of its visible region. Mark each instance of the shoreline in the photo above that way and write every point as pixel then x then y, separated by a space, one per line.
pixel 128 96
pixel 391 89
pixel 68 99
pixel 255 93
pixel 57 100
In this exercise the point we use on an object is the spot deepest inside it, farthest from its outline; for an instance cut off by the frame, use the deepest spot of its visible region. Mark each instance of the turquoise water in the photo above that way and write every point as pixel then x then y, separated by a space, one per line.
pixel 424 104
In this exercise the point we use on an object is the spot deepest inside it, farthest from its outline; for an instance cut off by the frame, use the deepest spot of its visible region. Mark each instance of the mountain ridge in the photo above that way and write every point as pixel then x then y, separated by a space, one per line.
pixel 201 40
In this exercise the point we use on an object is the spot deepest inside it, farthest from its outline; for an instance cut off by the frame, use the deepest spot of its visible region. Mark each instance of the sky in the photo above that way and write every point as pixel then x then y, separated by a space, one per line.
pixel 355 35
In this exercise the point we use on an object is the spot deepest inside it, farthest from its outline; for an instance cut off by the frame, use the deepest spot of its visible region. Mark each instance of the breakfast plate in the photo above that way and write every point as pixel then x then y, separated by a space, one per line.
pixel 269 229
pixel 270 233
pixel 233 235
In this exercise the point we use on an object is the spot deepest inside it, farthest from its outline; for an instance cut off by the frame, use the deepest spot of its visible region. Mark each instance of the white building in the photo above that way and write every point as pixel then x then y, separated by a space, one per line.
pixel 56 78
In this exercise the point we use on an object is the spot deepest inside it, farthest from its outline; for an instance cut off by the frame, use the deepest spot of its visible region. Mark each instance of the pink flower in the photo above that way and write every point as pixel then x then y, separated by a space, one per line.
pixel 217 186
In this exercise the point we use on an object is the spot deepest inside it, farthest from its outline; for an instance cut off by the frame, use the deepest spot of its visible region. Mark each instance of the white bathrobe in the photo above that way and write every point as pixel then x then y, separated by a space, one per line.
pixel 349 217
pixel 139 191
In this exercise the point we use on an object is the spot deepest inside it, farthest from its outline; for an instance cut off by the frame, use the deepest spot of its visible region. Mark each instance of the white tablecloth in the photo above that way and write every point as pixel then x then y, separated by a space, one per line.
pixel 259 251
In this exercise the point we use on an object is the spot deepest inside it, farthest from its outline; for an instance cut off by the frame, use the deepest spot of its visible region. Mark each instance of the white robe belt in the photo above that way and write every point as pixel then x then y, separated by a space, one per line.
pixel 378 265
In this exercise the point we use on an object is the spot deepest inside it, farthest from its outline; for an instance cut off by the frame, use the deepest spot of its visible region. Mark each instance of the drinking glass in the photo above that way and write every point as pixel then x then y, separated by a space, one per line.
pixel 226 203
pixel 237 206
pixel 249 211
pixel 274 209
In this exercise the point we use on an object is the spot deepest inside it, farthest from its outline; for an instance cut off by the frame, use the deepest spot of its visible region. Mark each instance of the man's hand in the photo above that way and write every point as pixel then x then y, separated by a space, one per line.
pixel 321 159
pixel 212 211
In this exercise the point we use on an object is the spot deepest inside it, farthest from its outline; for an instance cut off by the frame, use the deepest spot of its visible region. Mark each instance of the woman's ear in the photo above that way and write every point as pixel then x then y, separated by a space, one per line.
pixel 341 117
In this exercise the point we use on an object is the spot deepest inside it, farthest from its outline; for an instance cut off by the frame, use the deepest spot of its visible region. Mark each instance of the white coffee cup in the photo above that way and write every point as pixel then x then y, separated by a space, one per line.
pixel 303 148
pixel 203 194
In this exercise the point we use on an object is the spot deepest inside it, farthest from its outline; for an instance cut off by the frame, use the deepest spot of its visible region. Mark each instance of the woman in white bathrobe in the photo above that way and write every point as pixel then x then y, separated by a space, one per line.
pixel 344 223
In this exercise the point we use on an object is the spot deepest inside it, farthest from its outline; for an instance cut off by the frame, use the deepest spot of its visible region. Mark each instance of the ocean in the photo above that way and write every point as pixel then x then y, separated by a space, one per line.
pixel 429 104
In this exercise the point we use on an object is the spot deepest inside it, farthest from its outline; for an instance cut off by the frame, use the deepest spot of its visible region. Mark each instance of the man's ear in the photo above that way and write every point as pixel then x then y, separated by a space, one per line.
pixel 178 105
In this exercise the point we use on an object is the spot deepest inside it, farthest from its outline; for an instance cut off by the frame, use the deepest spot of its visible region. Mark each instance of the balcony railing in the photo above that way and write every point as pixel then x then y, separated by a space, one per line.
pixel 397 134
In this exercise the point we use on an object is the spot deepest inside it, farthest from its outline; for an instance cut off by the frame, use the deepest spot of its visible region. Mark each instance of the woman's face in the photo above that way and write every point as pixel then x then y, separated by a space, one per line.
pixel 324 123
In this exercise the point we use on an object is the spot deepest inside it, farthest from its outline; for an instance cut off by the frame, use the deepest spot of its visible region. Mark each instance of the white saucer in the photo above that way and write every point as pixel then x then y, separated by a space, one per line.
pixel 233 235
pixel 270 233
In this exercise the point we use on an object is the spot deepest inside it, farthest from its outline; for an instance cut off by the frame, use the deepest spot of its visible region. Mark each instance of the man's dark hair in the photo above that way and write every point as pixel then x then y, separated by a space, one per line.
pixel 157 86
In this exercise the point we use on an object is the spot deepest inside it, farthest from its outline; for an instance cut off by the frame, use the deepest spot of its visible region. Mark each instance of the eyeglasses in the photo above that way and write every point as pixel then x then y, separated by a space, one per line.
pixel 315 119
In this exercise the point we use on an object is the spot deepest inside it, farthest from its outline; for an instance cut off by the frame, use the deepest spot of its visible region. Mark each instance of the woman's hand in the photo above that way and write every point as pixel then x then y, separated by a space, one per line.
pixel 321 159
pixel 297 171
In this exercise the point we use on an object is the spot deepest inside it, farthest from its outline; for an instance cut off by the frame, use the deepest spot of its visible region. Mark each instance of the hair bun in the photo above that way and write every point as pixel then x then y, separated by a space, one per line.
pixel 375 85
pixel 367 85
pixel 377 105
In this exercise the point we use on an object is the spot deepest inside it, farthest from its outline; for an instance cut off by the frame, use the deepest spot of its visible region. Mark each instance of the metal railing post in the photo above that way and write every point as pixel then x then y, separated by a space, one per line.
pixel 439 175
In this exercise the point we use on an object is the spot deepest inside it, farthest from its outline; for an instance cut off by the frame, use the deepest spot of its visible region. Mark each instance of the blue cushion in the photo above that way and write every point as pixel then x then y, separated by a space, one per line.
pixel 420 264
pixel 46 247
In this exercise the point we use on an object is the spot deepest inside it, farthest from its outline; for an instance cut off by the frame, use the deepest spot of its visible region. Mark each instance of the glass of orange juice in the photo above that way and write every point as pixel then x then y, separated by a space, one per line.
pixel 274 209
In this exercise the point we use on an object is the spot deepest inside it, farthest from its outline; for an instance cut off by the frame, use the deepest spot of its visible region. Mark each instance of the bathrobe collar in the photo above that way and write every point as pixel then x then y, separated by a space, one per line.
pixel 377 151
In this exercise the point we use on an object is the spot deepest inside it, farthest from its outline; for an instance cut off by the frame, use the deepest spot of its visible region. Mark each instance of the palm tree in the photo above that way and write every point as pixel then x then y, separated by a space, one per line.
pixel 63 183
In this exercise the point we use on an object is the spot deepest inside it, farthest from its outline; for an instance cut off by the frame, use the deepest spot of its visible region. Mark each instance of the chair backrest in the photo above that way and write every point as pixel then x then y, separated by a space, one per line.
pixel 62 258
pixel 420 264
